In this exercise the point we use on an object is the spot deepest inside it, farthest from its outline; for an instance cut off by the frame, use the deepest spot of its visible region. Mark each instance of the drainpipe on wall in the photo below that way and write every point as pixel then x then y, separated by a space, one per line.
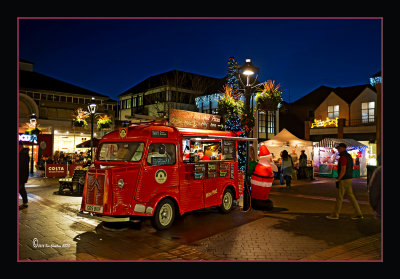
pixel 341 122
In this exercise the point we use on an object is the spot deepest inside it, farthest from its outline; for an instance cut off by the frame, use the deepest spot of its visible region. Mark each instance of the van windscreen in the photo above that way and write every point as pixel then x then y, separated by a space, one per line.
pixel 121 151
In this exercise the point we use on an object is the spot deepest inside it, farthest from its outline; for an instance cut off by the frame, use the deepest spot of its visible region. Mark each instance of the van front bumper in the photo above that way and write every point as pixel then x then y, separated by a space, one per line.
pixel 103 218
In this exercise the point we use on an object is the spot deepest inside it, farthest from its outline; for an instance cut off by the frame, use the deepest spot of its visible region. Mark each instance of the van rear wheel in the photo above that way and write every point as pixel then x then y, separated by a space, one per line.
pixel 164 215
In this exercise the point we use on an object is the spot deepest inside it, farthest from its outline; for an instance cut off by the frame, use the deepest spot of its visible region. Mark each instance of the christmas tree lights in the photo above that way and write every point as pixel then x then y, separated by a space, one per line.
pixel 233 120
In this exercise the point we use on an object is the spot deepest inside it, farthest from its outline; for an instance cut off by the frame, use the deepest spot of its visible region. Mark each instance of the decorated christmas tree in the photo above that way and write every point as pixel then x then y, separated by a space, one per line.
pixel 233 122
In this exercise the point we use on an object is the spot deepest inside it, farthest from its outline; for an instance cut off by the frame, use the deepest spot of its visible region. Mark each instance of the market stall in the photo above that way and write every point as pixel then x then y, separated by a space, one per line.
pixel 326 157
pixel 287 141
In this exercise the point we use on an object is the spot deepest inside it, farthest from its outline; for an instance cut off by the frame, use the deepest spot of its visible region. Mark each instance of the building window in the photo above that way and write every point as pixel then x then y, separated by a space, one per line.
pixel 134 102
pixel 128 103
pixel 271 122
pixel 140 100
pixel 368 112
pixel 333 111
pixel 261 121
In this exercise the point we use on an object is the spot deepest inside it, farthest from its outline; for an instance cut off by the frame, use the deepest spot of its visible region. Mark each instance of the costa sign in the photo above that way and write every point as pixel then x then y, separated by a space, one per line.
pixel 60 170
pixel 56 170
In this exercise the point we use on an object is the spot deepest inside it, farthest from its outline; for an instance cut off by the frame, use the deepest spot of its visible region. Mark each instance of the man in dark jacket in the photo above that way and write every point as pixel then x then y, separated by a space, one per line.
pixel 23 174
pixel 344 182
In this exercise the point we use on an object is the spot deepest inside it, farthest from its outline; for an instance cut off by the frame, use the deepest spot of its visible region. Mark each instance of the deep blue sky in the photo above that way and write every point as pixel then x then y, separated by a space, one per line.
pixel 110 56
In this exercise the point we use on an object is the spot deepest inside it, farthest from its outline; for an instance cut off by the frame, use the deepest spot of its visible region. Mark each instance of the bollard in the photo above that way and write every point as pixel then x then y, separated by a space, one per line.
pixel 67 170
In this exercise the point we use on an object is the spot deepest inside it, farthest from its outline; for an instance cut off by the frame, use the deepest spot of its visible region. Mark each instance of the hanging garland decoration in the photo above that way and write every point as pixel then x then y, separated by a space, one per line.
pixel 248 122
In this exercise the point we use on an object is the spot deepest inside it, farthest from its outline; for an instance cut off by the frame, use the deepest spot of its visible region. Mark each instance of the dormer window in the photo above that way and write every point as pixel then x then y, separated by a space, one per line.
pixel 368 112
pixel 333 112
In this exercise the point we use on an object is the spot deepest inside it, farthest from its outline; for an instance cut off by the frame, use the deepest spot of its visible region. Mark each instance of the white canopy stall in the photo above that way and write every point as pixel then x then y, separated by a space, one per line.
pixel 286 140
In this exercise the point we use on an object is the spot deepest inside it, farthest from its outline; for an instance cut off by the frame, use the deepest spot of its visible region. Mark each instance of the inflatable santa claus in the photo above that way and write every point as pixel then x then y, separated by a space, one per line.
pixel 263 175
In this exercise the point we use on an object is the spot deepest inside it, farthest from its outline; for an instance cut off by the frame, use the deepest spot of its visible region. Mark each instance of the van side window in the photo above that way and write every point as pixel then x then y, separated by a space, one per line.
pixel 161 154
pixel 228 150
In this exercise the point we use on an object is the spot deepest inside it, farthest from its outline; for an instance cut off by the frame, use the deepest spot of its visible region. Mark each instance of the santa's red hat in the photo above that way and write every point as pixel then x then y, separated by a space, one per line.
pixel 263 151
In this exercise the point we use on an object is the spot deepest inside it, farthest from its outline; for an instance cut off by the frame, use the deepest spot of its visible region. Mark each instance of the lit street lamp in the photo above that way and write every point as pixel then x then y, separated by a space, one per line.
pixel 92 110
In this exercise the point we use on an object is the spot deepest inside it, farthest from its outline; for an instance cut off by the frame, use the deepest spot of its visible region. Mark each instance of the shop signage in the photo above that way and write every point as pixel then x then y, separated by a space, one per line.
pixel 159 134
pixel 197 120
pixel 27 138
pixel 327 123
pixel 60 170
pixel 56 170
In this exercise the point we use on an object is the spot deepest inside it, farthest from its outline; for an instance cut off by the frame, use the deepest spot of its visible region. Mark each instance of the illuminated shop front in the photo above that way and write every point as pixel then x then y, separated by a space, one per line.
pixel 67 141
pixel 326 157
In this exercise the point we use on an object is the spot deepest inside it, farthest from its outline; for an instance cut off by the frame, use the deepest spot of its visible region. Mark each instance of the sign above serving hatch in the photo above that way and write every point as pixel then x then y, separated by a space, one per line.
pixel 196 120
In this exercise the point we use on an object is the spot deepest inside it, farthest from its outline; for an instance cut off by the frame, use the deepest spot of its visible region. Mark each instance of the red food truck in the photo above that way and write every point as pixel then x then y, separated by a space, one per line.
pixel 156 170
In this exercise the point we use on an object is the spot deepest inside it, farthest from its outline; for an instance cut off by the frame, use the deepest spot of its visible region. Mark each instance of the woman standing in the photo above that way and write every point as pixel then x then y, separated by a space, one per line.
pixel 287 168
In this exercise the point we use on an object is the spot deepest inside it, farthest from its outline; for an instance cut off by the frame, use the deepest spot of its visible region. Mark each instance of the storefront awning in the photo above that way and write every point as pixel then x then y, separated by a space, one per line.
pixel 87 143
pixel 333 142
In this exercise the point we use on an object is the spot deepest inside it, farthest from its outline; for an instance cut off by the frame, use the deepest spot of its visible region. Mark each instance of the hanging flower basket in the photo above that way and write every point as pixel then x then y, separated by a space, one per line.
pixel 104 122
pixel 269 98
pixel 229 104
pixel 77 122
pixel 35 131
pixel 79 118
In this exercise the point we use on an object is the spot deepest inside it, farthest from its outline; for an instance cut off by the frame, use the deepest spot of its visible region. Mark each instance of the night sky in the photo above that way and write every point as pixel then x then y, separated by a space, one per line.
pixel 109 56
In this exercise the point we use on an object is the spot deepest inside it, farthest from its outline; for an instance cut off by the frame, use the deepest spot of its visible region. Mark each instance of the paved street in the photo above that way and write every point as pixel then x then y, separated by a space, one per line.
pixel 296 229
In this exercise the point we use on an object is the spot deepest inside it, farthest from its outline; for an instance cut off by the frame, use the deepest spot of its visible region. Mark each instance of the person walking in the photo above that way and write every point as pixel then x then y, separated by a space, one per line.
pixel 303 164
pixel 344 184
pixel 287 168
pixel 23 174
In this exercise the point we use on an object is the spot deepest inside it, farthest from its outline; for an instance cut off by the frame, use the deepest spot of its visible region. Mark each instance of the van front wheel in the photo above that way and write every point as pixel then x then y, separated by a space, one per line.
pixel 227 201
pixel 164 215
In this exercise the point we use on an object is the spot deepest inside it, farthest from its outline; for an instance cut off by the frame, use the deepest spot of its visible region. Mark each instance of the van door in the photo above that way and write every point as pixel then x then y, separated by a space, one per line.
pixel 191 190
pixel 160 170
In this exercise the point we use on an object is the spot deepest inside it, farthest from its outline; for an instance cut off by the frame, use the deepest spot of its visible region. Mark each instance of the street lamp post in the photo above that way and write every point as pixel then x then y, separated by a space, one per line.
pixel 92 110
pixel 248 70
pixel 33 122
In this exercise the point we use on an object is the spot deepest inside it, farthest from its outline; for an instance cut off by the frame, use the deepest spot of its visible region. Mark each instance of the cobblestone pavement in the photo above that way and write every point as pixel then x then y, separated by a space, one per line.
pixel 296 229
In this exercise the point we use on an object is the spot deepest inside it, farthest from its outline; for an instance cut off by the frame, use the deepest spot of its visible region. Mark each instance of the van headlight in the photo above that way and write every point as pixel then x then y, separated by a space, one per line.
pixel 121 183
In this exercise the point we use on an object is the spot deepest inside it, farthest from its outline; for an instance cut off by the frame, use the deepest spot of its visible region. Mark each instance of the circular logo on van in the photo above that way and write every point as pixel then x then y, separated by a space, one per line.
pixel 122 132
pixel 160 176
